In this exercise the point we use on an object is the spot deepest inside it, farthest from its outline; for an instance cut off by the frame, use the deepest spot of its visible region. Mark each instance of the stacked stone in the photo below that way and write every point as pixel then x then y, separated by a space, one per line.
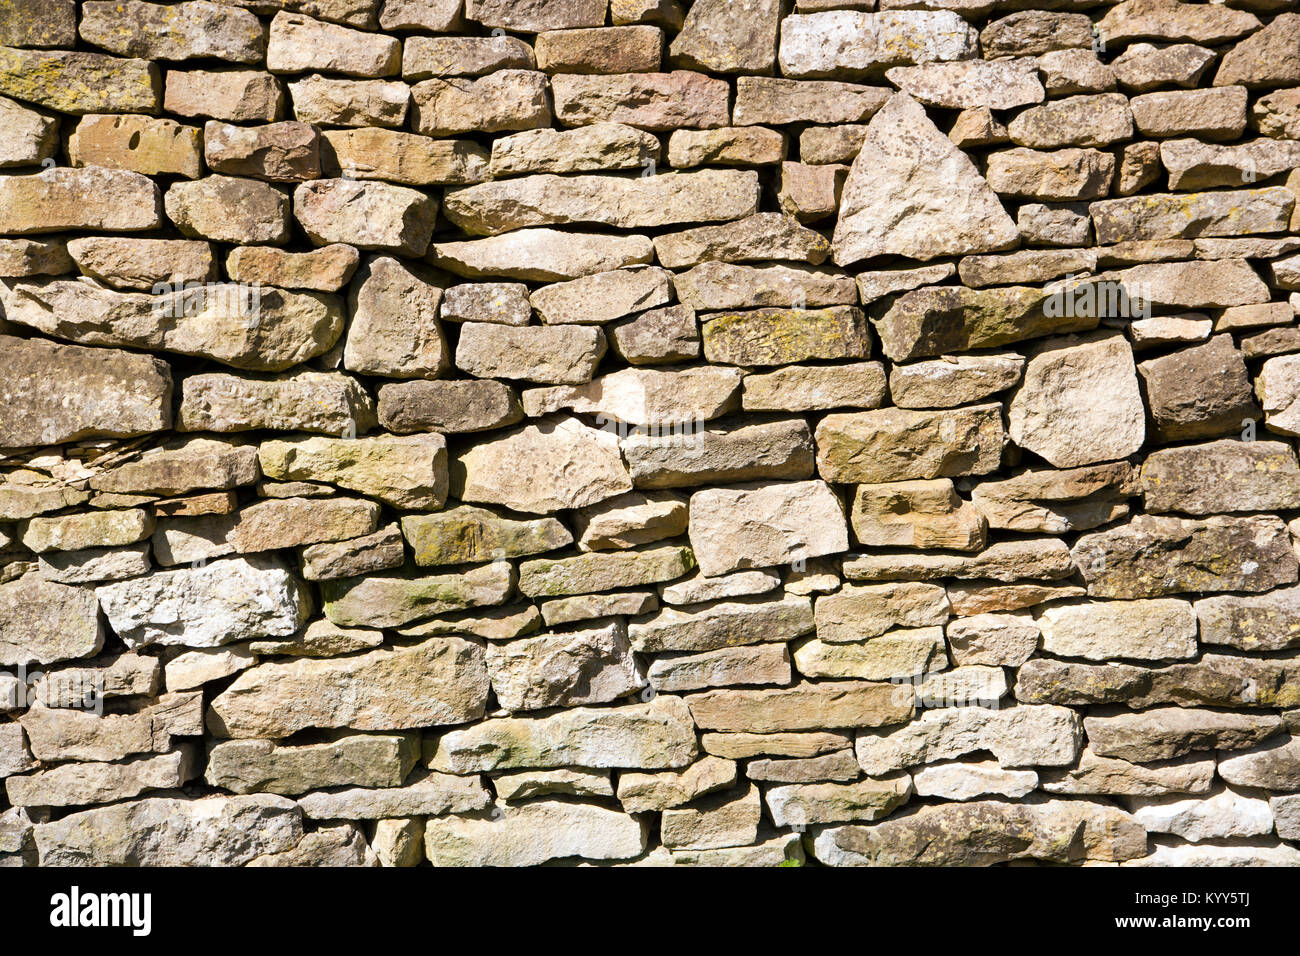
pixel 627 431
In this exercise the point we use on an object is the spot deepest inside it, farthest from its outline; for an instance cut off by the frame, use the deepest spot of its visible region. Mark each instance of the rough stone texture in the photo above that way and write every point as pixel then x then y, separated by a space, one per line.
pixel 695 434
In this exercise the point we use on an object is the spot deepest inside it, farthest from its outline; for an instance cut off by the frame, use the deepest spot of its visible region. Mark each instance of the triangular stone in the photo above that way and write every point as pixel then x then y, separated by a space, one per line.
pixel 912 192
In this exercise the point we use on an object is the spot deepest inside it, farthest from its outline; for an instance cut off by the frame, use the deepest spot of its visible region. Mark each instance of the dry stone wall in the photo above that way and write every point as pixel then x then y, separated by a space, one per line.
pixel 632 431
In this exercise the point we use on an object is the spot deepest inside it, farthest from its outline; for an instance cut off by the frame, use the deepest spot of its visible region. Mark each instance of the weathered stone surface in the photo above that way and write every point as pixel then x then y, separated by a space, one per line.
pixel 927 190
pixel 653 736
pixel 460 406
pixel 896 445
pixel 643 397
pixel 1163 733
pixel 1056 501
pixel 297 43
pixel 603 571
pixel 860 613
pixel 1199 392
pixel 543 255
pixel 1059 831
pixel 1021 736
pixel 324 402
pixel 433 795
pixel 1075 71
pixel 502 102
pixel 392 600
pixel 104 392
pixel 557 354
pixel 1107 775
pixel 601 146
pixel 1074 121
pixel 1079 402
pixel 846 43
pixel 179 31
pixel 141 144
pixel 953 380
pixel 320 99
pixel 354 557
pixel 279 152
pixel 95 198
pixel 229 209
pixel 586 607
pixel 80 82
pixel 1196 165
pixel 1271 766
pixel 761 526
pixel 619 49
pixel 1032 32
pixel 220 603
pixel 1185 216
pixel 652 101
pixel 1142 630
pixel 562 670
pixel 423 57
pixel 630 520
pixel 442 681
pixel 965 84
pixel 1039 558
pixel 237 96
pixel 394 329
pixel 532 833
pixel 722 624
pixel 42 622
pixel 1211 114
pixel 1173 20
pixel 1193 855
pixel 64 733
pixel 992 639
pixel 761 664
pixel 782 336
pixel 142 264
pixel 543 467
pixel 404 471
pixel 468 535
pixel 981 598
pixel 1221 816
pixel 916 514
pixel 110 528
pixel 79 784
pixel 1279 396
pixel 326 269
pixel 1202 479
pixel 33 257
pixel 898 654
pixel 169 831
pixel 732 146
pixel 536 16
pixel 367 214
pixel 1060 175
pixel 1266 622
pixel 602 297
pixel 802 707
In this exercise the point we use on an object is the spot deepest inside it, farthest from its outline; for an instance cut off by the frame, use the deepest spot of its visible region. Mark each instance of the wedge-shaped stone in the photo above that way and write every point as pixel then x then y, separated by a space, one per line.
pixel 802 707
pixel 468 535
pixel 1058 831
pixel 630 520
pixel 603 297
pixel 939 319
pixel 1022 736
pixel 912 192
pixel 723 624
pixel 653 101
pixel 783 336
pixel 1161 629
pixel 178 31
pixel 621 202
pixel 1266 622
pixel 862 612
pixel 542 255
pixel 1189 215
pixel 1154 555
pixel 80 82
pixel 898 654
pixel 916 514
pixel 592 666
pixel 103 392
pixel 758 526
pixel 505 101
pixel 1163 733
pixel 1196 165
pixel 603 571
pixel 1110 776
pixel 849 43
pixel 408 471
pixel 94 197
pixel 325 402
pixel 647 792
pixel 392 600
pixel 226 601
pixel 442 681
pixel 762 236
pixel 42 622
pixel 525 784
pixel 654 736
pixel 82 783
pixel 1219 476
pixel 544 467
pixel 675 457
pixel 264 330
pixel 1080 402
pixel 366 214
pixel 602 146
pixel 172 831
pixel 666 400
pixel 966 84
pixel 1054 502
pixel 893 444
pixel 555 354
pixel 530 834
pixel 953 380
pixel 379 551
